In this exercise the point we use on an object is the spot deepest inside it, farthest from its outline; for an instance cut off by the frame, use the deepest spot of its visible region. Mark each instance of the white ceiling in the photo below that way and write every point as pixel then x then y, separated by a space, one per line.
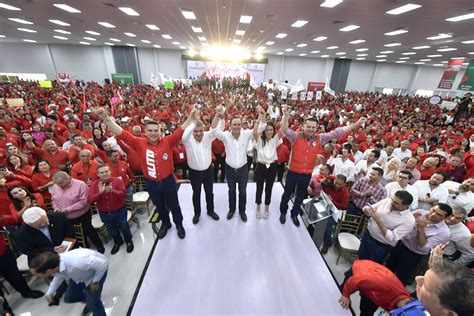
pixel 219 20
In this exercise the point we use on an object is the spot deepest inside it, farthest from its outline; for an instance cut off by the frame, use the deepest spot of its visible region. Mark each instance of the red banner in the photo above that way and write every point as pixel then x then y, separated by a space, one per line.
pixel 315 86
pixel 450 73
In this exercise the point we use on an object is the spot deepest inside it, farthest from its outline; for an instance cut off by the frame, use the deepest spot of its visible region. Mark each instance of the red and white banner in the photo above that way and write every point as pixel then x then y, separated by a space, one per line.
pixel 315 86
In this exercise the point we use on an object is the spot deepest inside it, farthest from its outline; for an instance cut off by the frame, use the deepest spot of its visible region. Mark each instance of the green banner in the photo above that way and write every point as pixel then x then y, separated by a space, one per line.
pixel 467 81
pixel 169 85
pixel 122 78
pixel 46 84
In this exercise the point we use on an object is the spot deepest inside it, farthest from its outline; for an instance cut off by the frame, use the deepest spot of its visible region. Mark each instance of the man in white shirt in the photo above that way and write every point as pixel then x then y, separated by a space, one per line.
pixel 459 247
pixel 383 155
pixel 86 271
pixel 364 166
pixel 403 153
pixel 198 146
pixel 274 112
pixel 431 192
pixel 356 153
pixel 390 221
pixel 411 165
pixel 403 179
pixel 343 165
pixel 460 193
pixel 236 142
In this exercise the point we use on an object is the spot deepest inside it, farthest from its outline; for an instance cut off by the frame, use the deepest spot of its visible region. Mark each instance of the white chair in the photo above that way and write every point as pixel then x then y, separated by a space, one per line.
pixel 347 240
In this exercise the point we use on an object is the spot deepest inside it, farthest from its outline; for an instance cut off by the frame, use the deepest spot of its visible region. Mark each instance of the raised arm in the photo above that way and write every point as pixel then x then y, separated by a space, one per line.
pixel 111 125
pixel 284 118
pixel 261 120
pixel 193 115
pixel 219 116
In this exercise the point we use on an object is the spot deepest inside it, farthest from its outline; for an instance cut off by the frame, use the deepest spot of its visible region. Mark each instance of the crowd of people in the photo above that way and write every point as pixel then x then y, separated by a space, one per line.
pixel 402 164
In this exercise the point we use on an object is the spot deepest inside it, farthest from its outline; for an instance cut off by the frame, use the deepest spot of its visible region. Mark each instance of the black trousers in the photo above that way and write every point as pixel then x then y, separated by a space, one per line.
pixel 9 270
pixel 402 261
pixel 199 179
pixel 264 176
pixel 367 307
pixel 280 171
pixel 89 231
pixel 219 164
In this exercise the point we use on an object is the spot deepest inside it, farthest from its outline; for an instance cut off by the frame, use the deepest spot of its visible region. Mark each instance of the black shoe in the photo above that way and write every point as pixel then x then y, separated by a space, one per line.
pixel 324 250
pixel 162 232
pixel 282 219
pixel 130 247
pixel 295 220
pixel 33 294
pixel 101 249
pixel 116 248
pixel 243 216
pixel 85 311
pixel 230 214
pixel 195 219
pixel 213 215
pixel 181 231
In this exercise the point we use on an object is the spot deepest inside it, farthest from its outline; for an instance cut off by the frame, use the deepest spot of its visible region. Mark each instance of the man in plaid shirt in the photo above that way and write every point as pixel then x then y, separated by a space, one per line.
pixel 367 191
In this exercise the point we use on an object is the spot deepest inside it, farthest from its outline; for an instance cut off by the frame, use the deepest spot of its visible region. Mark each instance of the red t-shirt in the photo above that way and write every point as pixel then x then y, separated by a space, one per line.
pixel 108 202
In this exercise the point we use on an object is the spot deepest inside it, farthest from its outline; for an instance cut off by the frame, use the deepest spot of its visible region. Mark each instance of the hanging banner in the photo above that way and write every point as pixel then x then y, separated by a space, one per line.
pixel 450 73
pixel 122 78
pixel 48 84
pixel 284 94
pixel 303 95
pixel 319 95
pixel 315 86
pixel 310 96
pixel 467 81
pixel 294 96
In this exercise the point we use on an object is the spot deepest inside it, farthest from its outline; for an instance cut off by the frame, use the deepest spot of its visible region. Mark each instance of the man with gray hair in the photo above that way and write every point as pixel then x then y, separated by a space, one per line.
pixel 459 248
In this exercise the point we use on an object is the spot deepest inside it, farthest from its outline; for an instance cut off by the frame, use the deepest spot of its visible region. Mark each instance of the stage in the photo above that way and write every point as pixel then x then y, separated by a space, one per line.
pixel 230 267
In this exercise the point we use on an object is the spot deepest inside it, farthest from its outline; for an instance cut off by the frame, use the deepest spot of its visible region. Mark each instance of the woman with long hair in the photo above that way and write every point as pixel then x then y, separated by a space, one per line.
pixel 390 171
pixel 22 199
pixel 42 179
pixel 98 137
pixel 17 165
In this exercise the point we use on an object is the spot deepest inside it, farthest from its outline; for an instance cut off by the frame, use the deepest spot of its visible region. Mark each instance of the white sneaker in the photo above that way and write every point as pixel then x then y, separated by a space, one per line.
pixel 258 213
pixel 266 213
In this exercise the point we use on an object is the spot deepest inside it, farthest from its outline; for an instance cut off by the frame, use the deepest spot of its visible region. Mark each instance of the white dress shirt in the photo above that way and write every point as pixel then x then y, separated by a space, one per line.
pixel 81 265
pixel 267 153
pixel 346 167
pixel 382 159
pixel 423 187
pixel 463 199
pixel 199 154
pixel 274 114
pixel 398 224
pixel 394 186
pixel 362 165
pixel 358 156
pixel 460 240
pixel 402 154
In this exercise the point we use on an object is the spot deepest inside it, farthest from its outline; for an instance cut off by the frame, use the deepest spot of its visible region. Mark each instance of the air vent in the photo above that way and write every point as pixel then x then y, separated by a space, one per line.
pixel 337 22
pixel 270 17
pixel 108 4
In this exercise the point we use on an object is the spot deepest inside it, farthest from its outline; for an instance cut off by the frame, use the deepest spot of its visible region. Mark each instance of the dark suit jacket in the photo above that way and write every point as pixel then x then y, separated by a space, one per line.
pixel 32 241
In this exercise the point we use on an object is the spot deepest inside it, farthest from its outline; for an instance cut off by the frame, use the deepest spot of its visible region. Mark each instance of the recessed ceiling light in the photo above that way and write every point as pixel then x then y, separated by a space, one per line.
pixel 471 53
pixel 299 23
pixel 419 63
pixel 93 33
pixel 330 3
pixel 153 27
pixel 131 45
pixel 319 38
pixel 156 46
pixel 438 65
pixel 129 11
pixel 84 43
pixel 447 49
pixel 457 58
pixel 196 29
pixel 89 38
pixel 324 56
pixel 302 45
pixel 261 48
pixel 400 61
pixel 349 28
pixel 289 50
pixel 360 58
pixel 204 44
pixel 403 9
pixel 380 56
pixel 362 55
pixel 115 40
pixel 409 53
pixel 26 30
pixel 130 34
pixel 182 47
pixel 20 21
pixel 303 54
pixel 146 41
pixel 239 32
pixel 66 7
pixel 332 47
pixel 107 24
pixel 362 49
pixel 426 59
pixel 2 36
pixel 59 22
pixel 433 56
pixel 468 42
pixel 439 36
pixel 188 14
pixel 397 32
pixel 387 52
pixel 166 36
pixel 176 43
pixel 62 31
pixel 9 7
pixel 236 41
pixel 279 35
pixel 461 17
pixel 404 58
pixel 393 44
pixel 357 41
pixel 203 38
pixel 315 51
pixel 381 60
pixel 421 47
pixel 29 40
pixel 269 43
pixel 280 53
pixel 245 19
pixel 340 53
pixel 60 37
pixel 110 44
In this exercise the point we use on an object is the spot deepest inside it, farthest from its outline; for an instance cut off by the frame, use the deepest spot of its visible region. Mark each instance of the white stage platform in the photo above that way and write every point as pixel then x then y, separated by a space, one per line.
pixel 230 267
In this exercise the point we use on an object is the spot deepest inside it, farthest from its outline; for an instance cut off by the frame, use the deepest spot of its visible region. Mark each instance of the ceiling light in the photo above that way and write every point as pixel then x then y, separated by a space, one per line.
pixel 387 52
pixel 131 45
pixel 330 3
pixel 324 56
pixel 156 46
pixel 20 21
pixel 115 40
pixel 315 51
pixel 245 19
pixel 447 49
pixel 439 36
pixel 166 36
pixel 182 47
pixel 269 43
pixel 303 54
pixel 332 47
pixel 457 58
pixel 2 36
pixel 280 53
pixel 204 44
pixel 349 28
pixel 404 58
pixel 362 49
pixel 403 9
pixel 319 38
pixel 279 35
pixel 106 24
pixel 29 40
pixel 421 47
pixel 400 61
pixel 236 41
pixel 397 32
pixel 153 27
pixel 196 29
pixel 465 64
pixel 299 23
pixel 60 37
pixel 426 59
pixel 433 56
pixel 110 44
pixel 393 44
pixel 93 33
pixel 409 53
pixel 84 43
pixel 289 50
pixel 461 17
pixel 62 31
pixel 468 42
pixel 362 55
pixel 261 48
pixel 381 60
pixel 471 53
pixel 9 7
pixel 340 53
pixel 67 8
pixel 203 39
pixel 419 63
pixel 89 38
pixel 357 41
pixel 188 14
pixel 302 45
pixel 380 56
pixel 130 34
pixel 129 11
pixel 176 43
pixel 59 22
pixel 146 41
pixel 438 65
pixel 26 30
pixel 360 58
pixel 239 32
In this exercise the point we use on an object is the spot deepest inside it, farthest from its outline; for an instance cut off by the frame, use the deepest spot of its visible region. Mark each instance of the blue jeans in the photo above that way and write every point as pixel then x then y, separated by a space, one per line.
pixel 372 249
pixel 298 181
pixel 199 179
pixel 328 232
pixel 238 176
pixel 116 222
pixel 164 194
pixel 78 292
pixel 402 261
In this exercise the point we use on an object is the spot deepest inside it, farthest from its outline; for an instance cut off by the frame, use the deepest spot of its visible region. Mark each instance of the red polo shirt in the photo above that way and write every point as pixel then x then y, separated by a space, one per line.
pixel 340 198
pixel 108 202
pixel 60 157
pixel 86 173
pixel 121 170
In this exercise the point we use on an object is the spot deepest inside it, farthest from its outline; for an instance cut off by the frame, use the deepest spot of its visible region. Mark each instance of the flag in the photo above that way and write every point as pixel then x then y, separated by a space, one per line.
pixel 298 86
pixel 253 84
pixel 154 81
pixel 328 89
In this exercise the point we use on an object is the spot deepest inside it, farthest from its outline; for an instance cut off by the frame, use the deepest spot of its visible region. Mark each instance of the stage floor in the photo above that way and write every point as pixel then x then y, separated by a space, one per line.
pixel 230 267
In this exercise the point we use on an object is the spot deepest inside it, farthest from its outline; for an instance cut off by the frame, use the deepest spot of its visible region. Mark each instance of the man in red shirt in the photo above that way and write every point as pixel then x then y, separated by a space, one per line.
pixel 85 169
pixel 57 158
pixel 378 286
pixel 119 168
pixel 156 159
pixel 110 195
pixel 78 145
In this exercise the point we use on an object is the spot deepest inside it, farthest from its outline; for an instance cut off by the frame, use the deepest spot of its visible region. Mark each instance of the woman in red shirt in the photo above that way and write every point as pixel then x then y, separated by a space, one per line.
pixel 21 199
pixel 43 178
pixel 18 165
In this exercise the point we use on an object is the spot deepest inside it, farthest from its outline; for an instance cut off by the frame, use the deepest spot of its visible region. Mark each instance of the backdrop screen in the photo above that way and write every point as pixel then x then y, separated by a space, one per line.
pixel 222 69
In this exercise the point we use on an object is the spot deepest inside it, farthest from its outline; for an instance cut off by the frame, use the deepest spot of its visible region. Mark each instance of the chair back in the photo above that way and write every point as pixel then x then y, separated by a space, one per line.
pixel 79 236
pixel 349 224
pixel 8 240
pixel 48 204
pixel 139 183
